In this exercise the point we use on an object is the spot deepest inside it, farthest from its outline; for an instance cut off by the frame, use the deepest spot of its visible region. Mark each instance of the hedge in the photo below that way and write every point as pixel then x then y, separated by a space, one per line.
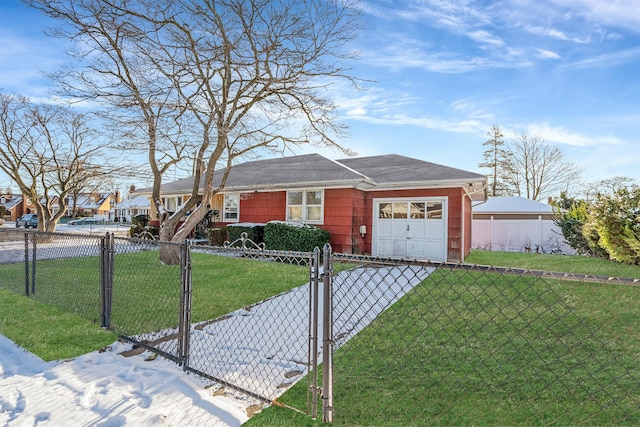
pixel 255 232
pixel 217 236
pixel 287 236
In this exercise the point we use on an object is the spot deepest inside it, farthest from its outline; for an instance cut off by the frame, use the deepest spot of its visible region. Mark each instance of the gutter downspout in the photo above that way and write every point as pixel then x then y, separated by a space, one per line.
pixel 468 194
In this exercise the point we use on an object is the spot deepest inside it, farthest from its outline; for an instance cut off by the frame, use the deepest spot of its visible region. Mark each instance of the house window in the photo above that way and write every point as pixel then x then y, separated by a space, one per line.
pixel 304 206
pixel 171 204
pixel 231 207
pixel 434 210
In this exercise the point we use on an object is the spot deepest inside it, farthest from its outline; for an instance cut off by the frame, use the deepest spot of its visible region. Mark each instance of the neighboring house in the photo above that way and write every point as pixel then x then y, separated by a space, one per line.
pixel 97 205
pixel 126 209
pixel 94 204
pixel 14 205
pixel 384 205
pixel 516 224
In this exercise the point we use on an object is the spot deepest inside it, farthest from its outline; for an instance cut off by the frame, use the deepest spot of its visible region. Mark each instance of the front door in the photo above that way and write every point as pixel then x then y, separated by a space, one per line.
pixel 410 228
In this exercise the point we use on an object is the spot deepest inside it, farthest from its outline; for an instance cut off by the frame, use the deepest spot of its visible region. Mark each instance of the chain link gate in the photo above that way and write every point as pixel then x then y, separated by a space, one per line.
pixel 262 349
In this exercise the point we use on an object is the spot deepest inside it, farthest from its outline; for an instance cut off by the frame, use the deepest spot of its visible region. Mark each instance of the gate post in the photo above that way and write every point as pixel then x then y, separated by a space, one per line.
pixel 184 323
pixel 106 279
pixel 327 336
pixel 34 254
pixel 315 274
pixel 26 264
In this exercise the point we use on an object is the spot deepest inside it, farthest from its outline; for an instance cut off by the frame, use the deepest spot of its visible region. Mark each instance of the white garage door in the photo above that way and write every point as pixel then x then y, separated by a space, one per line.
pixel 412 228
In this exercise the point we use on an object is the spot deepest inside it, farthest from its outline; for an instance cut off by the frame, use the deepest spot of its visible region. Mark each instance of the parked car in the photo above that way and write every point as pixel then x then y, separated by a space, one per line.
pixel 27 220
pixel 84 221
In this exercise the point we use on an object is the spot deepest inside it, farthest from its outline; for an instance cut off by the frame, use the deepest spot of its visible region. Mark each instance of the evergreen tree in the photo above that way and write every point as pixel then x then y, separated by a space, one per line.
pixel 495 158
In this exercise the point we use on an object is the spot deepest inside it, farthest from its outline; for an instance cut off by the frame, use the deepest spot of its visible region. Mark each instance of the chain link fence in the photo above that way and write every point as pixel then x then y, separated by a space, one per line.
pixel 393 342
pixel 453 344
pixel 62 270
pixel 246 336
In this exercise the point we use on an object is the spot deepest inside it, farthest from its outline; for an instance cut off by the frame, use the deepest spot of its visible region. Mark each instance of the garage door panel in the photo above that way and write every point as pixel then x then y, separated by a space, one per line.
pixel 400 229
pixel 413 228
pixel 417 229
pixel 433 251
pixel 399 248
pixel 433 229
pixel 385 228
pixel 385 247
pixel 416 249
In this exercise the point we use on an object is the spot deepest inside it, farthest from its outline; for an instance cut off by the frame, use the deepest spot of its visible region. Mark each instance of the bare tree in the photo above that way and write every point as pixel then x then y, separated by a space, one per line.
pixel 535 169
pixel 607 186
pixel 246 75
pixel 495 157
pixel 47 151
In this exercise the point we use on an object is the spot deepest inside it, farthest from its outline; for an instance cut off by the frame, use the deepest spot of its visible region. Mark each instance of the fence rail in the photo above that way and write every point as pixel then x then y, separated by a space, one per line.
pixel 369 341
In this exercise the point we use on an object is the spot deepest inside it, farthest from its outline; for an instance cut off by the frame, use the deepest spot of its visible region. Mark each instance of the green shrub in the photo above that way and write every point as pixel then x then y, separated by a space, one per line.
pixel 571 215
pixel 255 232
pixel 142 220
pixel 217 236
pixel 294 237
pixel 607 227
pixel 614 221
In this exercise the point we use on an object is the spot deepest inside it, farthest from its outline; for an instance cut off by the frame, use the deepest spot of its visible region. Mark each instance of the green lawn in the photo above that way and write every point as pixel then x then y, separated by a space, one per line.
pixel 560 263
pixel 48 332
pixel 146 296
pixel 462 348
pixel 470 348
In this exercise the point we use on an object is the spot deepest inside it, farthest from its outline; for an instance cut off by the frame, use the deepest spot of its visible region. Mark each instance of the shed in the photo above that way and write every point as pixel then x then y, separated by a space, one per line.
pixel 516 224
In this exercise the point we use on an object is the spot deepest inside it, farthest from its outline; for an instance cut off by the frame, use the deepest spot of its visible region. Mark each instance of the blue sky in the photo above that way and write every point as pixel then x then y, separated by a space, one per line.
pixel 443 72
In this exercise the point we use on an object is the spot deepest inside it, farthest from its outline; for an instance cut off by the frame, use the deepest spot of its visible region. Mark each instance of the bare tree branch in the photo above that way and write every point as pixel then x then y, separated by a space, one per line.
pixel 536 169
pixel 246 75
pixel 49 151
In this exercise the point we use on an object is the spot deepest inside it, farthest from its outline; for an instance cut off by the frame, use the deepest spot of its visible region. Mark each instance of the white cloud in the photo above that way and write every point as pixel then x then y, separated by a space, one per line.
pixel 403 52
pixel 547 32
pixel 471 110
pixel 560 135
pixel 620 14
pixel 609 58
pixel 485 37
pixel 547 54
pixel 427 122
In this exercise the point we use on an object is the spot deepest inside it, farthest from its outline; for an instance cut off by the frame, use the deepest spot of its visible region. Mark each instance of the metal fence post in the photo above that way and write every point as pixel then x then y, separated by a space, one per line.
pixel 34 241
pixel 184 325
pixel 106 279
pixel 327 337
pixel 315 274
pixel 26 264
pixel 103 285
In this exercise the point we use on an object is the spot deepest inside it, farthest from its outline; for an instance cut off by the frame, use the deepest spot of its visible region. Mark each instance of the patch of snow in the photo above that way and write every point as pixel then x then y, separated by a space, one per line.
pixel 107 389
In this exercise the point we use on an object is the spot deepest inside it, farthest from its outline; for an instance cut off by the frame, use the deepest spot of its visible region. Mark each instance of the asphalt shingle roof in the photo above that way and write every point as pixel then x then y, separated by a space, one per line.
pixel 393 168
pixel 309 168
pixel 316 170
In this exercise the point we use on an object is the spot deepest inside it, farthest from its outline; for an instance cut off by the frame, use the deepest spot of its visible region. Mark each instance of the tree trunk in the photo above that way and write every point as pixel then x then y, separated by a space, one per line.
pixel 169 254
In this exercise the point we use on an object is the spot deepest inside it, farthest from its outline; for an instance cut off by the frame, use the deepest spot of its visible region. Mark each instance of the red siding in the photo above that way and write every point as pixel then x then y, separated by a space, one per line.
pixel 263 207
pixel 345 210
pixel 343 215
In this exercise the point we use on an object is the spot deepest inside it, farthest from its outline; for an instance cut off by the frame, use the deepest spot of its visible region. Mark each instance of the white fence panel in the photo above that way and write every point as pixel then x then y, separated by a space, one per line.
pixel 518 235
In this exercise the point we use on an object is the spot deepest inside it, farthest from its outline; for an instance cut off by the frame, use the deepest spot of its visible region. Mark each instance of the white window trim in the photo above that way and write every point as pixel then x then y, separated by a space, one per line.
pixel 224 208
pixel 304 206
pixel 174 201
pixel 445 217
